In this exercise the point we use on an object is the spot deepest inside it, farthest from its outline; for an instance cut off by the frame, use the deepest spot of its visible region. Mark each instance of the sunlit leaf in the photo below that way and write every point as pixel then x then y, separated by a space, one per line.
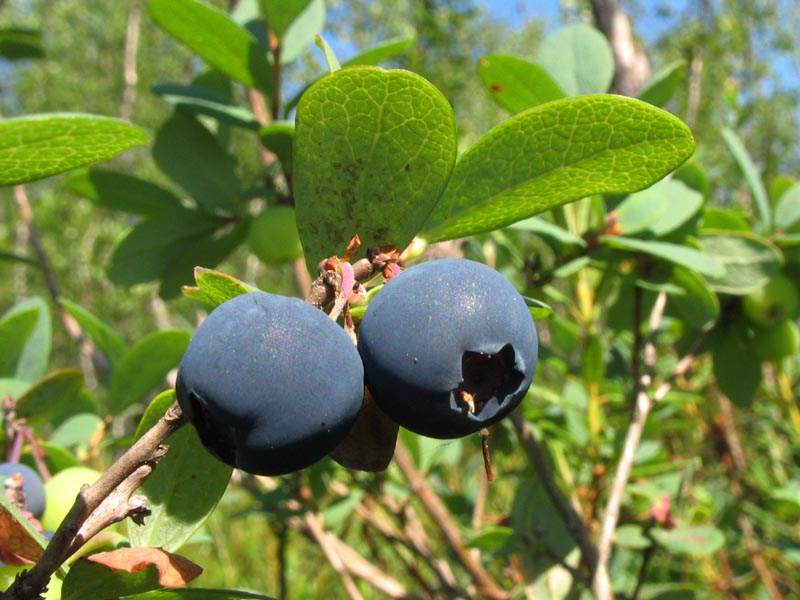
pixel 515 83
pixel 38 146
pixel 144 366
pixel 579 58
pixel 556 153
pixel 216 38
pixel 373 150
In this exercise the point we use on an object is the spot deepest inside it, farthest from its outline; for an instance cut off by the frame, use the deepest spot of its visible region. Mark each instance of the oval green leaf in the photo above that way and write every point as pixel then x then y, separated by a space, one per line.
pixel 192 157
pixel 15 329
pixel 106 340
pixel 278 137
pixel 373 152
pixel 217 287
pixel 144 367
pixel 579 58
pixel 749 259
pixel 658 210
pixel 202 101
pixel 554 154
pixel 787 210
pixel 39 146
pixel 88 580
pixel 52 398
pixel 698 306
pixel 216 38
pixel 664 83
pixel 699 540
pixel 34 354
pixel 677 254
pixel 516 84
pixel 184 488
pixel 148 251
pixel 123 192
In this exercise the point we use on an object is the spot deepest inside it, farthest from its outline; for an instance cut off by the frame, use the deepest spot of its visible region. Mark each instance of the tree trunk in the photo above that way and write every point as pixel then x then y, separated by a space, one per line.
pixel 632 67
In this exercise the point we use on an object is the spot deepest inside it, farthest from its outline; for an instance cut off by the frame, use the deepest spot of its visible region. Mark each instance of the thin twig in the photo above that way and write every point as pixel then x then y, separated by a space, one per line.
pixel 572 520
pixel 105 495
pixel 320 536
pixel 602 582
pixel 439 514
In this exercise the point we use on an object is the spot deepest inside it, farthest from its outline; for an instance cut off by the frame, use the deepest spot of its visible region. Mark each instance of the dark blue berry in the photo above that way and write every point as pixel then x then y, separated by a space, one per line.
pixel 32 486
pixel 271 384
pixel 449 347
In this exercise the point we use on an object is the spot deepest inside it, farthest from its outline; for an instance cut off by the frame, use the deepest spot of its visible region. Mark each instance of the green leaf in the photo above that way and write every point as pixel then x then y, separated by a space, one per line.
pixel 787 210
pixel 699 305
pixel 280 15
pixel 149 249
pixel 594 367
pixel 216 39
pixel 330 56
pixel 190 155
pixel 715 218
pixel 749 259
pixel 736 372
pixel 538 309
pixel 78 429
pixel 751 176
pixel 52 398
pixel 10 386
pixel 542 528
pixel 35 354
pixel 579 58
pixel 205 102
pixel 554 154
pixel 123 192
pixel 183 490
pixel 658 210
pixel 381 52
pixel 219 287
pixel 373 56
pixel 17 43
pixel 106 340
pixel 278 137
pixel 515 83
pixel 39 146
pixel 695 177
pixel 701 262
pixel 144 367
pixel 662 86
pixel 202 250
pixel 198 594
pixel 698 540
pixel 303 29
pixel 88 580
pixel 15 330
pixel 546 229
pixel 496 539
pixel 373 151
pixel 631 536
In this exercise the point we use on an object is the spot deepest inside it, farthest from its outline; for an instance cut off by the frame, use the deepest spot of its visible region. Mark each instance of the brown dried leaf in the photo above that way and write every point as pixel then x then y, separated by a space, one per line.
pixel 15 538
pixel 173 570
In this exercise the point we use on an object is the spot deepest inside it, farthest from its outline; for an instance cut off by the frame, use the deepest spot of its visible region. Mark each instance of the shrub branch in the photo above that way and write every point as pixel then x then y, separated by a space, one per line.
pixel 99 505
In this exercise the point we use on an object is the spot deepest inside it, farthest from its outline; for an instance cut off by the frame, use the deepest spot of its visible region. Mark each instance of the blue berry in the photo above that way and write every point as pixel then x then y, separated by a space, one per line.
pixel 270 383
pixel 449 347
